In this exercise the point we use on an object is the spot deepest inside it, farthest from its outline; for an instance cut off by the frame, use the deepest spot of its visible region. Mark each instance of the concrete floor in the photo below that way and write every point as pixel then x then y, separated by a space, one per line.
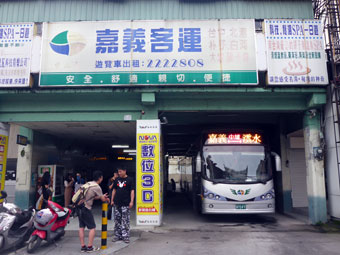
pixel 178 214
pixel 185 232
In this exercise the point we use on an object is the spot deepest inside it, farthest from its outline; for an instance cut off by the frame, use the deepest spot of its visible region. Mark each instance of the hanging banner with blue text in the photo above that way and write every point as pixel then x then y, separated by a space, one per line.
pixel 15 54
pixel 295 52
pixel 148 173
pixel 157 52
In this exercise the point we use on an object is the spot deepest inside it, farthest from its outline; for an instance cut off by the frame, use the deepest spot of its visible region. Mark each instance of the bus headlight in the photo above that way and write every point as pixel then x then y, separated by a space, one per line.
pixel 211 196
pixel 269 196
pixel 266 196
pixel 217 197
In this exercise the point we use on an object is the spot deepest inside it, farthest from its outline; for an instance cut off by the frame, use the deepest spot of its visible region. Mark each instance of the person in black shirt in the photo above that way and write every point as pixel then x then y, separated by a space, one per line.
pixel 110 183
pixel 123 195
pixel 46 191
pixel 46 178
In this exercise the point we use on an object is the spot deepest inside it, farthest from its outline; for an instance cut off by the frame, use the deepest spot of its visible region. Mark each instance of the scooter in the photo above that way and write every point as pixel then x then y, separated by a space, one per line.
pixel 16 225
pixel 49 225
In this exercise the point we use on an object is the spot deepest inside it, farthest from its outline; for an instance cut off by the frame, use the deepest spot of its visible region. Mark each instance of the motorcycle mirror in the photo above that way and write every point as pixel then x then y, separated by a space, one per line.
pixel 3 194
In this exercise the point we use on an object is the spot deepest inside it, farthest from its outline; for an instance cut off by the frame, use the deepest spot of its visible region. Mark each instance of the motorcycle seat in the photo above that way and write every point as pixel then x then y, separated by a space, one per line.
pixel 21 219
pixel 63 214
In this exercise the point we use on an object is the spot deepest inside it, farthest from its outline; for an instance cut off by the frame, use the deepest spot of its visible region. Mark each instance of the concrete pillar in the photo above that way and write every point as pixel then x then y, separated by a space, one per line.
pixel 315 169
pixel 286 182
pixel 24 194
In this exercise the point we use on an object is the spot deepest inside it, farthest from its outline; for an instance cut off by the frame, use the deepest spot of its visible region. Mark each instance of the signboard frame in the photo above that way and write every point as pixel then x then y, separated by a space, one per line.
pixel 17 38
pixel 295 53
pixel 149 189
pixel 217 76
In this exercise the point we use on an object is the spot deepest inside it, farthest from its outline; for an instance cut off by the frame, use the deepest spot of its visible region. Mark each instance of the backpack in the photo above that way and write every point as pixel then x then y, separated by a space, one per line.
pixel 78 198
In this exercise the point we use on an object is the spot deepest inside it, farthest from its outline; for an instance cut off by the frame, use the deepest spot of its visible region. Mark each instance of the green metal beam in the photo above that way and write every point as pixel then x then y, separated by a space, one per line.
pixel 148 98
pixel 316 100
pixel 105 105
pixel 170 89
pixel 76 10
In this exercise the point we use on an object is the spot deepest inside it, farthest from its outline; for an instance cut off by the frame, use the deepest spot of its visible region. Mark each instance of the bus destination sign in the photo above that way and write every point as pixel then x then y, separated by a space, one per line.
pixel 234 139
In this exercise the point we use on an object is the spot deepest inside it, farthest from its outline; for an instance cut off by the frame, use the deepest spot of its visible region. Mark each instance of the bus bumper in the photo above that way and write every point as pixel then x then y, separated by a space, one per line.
pixel 223 207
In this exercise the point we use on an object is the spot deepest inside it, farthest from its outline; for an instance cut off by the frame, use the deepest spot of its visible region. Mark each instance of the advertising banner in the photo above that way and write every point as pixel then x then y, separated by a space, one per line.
pixel 3 159
pixel 148 173
pixel 295 52
pixel 153 52
pixel 15 54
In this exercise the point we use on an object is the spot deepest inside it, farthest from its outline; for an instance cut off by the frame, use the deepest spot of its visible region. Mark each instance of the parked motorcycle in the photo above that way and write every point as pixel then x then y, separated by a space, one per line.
pixel 49 225
pixel 16 225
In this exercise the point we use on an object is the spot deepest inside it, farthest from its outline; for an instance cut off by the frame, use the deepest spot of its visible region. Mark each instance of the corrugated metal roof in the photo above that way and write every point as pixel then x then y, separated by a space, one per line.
pixel 73 10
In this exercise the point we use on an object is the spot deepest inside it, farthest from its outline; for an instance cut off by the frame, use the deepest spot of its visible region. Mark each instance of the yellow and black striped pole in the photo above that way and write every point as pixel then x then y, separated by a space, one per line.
pixel 104 226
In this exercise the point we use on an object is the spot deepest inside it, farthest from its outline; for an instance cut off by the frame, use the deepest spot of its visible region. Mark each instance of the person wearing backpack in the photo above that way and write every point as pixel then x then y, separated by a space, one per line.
pixel 86 219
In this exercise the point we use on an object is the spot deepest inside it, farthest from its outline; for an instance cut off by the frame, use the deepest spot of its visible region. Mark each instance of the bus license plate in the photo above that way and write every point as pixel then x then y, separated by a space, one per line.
pixel 240 207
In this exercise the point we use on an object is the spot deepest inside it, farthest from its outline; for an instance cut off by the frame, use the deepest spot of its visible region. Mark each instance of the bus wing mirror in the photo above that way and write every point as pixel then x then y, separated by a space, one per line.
pixel 277 161
pixel 198 164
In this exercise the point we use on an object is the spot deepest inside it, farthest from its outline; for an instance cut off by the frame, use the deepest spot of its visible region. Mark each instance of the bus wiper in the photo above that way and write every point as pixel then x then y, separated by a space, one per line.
pixel 264 181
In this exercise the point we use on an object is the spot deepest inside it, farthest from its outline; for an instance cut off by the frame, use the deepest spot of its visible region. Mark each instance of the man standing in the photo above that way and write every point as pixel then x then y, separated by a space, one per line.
pixel 86 218
pixel 123 195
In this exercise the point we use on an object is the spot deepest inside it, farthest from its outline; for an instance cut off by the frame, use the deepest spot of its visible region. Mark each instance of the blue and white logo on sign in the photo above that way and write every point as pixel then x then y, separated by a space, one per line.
pixel 68 43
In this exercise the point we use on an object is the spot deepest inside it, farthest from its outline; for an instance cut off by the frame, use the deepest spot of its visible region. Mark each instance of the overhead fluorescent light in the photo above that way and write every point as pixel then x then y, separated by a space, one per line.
pixel 129 151
pixel 132 154
pixel 118 146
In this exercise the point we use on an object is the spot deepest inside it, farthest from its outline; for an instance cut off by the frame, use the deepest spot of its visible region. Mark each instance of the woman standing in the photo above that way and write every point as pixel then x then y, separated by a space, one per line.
pixel 68 183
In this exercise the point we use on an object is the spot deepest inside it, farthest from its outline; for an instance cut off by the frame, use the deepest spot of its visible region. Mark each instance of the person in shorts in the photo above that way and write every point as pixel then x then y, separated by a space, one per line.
pixel 85 216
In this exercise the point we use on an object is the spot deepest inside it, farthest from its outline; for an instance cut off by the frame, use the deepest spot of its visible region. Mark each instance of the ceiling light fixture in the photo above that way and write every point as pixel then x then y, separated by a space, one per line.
pixel 129 151
pixel 118 146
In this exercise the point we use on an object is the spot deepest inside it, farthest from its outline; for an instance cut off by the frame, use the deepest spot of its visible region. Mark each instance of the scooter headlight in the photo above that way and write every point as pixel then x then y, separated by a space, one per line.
pixel 4 224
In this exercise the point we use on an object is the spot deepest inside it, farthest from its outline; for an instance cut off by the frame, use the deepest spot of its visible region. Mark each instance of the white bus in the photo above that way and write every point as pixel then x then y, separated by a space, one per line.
pixel 233 174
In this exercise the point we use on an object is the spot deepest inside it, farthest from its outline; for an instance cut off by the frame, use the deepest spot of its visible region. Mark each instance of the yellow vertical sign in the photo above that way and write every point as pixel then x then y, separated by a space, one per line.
pixel 3 160
pixel 148 172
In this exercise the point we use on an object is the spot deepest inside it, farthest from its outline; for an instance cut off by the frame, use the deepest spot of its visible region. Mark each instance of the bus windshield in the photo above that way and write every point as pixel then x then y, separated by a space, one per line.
pixel 236 164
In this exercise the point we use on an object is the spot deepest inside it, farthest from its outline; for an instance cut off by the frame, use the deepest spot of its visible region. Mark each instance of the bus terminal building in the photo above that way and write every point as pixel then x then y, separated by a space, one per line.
pixel 78 78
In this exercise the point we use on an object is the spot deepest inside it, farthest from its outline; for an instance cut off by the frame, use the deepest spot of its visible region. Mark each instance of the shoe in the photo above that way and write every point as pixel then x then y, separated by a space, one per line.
pixel 83 249
pixel 92 249
pixel 126 241
pixel 116 239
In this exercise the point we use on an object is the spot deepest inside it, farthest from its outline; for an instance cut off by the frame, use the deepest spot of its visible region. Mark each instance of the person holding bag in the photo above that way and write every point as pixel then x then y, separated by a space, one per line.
pixel 110 215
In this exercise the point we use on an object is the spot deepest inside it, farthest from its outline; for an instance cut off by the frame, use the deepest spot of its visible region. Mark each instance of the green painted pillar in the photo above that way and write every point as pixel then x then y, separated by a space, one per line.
pixel 24 193
pixel 150 111
pixel 315 169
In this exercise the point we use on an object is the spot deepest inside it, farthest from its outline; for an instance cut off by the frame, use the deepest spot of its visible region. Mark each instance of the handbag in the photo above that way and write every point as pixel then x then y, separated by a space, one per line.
pixel 39 203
